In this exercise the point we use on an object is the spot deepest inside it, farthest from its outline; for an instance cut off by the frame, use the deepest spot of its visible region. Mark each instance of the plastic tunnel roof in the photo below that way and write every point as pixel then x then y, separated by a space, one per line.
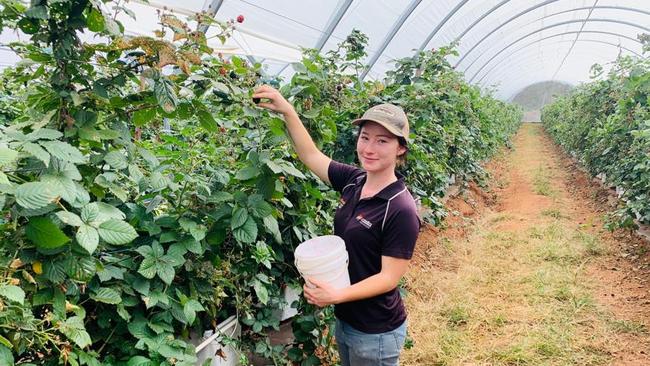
pixel 508 44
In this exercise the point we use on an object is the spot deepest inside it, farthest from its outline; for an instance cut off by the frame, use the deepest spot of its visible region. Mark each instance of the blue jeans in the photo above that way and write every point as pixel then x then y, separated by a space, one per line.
pixel 360 349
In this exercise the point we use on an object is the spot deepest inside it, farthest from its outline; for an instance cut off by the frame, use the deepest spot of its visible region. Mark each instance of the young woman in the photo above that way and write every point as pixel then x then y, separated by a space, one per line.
pixel 377 220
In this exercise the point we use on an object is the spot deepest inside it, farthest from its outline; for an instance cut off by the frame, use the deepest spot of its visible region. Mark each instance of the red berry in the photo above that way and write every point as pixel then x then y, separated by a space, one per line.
pixel 240 18
pixel 223 71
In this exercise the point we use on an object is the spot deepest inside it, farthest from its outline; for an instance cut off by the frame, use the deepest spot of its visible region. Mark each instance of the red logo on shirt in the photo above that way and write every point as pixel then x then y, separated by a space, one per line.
pixel 367 224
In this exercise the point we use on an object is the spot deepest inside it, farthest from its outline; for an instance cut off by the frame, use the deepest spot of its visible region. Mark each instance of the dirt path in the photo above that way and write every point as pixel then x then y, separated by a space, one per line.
pixel 523 274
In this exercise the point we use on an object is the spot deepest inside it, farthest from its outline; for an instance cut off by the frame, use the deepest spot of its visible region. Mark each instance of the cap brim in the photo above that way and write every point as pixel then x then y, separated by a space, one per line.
pixel 390 128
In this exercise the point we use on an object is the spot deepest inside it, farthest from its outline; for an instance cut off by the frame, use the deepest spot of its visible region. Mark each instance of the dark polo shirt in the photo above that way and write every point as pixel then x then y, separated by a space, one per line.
pixel 386 224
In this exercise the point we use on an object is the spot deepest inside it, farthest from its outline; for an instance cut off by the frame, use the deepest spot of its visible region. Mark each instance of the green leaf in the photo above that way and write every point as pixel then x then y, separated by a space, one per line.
pixel 166 272
pixel 95 21
pixel 117 160
pixel 37 12
pixel 90 212
pixel 88 238
pixel 117 232
pixel 261 292
pixel 45 234
pixel 98 212
pixel 107 296
pixel 112 27
pixel 6 356
pixel 38 152
pixel 7 156
pixel 259 206
pixel 288 168
pixel 206 120
pixel 12 293
pixel 69 218
pixel 34 195
pixel 247 173
pixel 143 116
pixel 148 267
pixel 139 361
pixel 190 309
pixel 29 25
pixel 271 225
pixel 61 186
pixel 165 94
pixel 4 341
pixel 247 233
pixel 74 329
pixel 64 151
pixel 239 217
pixel 44 134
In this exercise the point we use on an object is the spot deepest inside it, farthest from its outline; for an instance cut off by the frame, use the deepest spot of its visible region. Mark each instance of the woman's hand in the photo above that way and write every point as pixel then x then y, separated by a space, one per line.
pixel 322 294
pixel 276 102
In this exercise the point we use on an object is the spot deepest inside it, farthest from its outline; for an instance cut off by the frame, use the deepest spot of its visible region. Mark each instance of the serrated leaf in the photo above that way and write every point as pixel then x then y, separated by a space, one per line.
pixel 261 292
pixel 107 296
pixel 38 152
pixel 206 120
pixel 74 329
pixel 12 293
pixel 259 206
pixel 190 309
pixel 64 151
pixel 165 94
pixel 271 225
pixel 148 267
pixel 139 361
pixel 98 212
pixel 117 160
pixel 247 233
pixel 239 217
pixel 143 116
pixel 288 168
pixel 90 212
pixel 88 238
pixel 158 181
pixel 7 156
pixel 166 272
pixel 247 173
pixel 44 134
pixel 117 232
pixel 6 356
pixel 69 218
pixel 123 313
pixel 34 195
pixel 45 234
pixel 61 186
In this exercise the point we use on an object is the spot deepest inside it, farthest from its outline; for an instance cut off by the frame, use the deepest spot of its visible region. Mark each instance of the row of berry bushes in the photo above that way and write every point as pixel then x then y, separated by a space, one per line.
pixel 145 198
pixel 605 124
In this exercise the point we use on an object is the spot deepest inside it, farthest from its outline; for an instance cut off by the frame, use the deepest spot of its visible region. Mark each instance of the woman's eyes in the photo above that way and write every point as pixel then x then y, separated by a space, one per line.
pixel 365 138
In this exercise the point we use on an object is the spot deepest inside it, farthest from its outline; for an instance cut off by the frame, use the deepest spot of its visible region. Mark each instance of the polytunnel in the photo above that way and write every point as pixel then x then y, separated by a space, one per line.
pixel 510 44
pixel 342 182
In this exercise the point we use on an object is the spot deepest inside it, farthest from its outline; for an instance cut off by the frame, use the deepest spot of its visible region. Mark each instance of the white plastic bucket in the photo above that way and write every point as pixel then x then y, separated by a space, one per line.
pixel 324 258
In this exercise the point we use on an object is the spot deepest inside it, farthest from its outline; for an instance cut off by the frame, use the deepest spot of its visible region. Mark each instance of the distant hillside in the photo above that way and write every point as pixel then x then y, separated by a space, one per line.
pixel 535 96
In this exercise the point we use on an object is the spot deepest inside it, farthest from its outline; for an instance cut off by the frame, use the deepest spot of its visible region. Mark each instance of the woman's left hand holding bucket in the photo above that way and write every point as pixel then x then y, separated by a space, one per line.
pixel 322 293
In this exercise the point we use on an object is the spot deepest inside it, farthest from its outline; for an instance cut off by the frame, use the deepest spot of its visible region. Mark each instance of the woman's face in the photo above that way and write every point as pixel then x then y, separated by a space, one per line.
pixel 377 148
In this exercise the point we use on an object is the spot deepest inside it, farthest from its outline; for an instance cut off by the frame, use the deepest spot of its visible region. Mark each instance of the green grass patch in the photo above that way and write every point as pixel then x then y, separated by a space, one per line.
pixel 542 182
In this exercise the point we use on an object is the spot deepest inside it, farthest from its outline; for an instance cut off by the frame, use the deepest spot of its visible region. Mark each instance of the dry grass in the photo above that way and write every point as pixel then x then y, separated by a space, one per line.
pixel 517 293
pixel 516 299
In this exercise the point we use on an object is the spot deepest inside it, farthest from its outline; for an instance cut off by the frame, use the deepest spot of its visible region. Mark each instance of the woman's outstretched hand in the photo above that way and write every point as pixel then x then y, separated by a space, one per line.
pixel 322 294
pixel 274 100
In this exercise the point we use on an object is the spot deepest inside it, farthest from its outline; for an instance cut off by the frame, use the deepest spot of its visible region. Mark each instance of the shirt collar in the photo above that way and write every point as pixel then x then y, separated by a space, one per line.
pixel 389 191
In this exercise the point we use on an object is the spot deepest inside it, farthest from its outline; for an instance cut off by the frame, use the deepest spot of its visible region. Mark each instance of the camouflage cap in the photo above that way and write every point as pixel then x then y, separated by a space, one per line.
pixel 390 116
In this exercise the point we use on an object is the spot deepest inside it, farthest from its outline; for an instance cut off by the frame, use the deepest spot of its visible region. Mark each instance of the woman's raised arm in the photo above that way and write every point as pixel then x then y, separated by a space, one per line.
pixel 304 145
